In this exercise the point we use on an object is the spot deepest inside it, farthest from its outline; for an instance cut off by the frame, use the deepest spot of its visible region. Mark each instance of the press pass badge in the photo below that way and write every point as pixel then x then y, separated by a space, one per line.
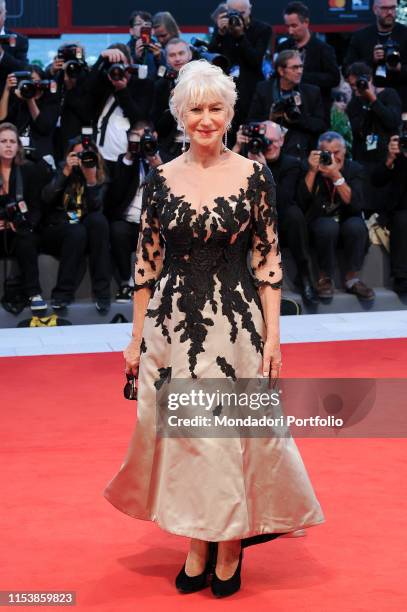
pixel 372 142
pixel 25 141
pixel 161 71
pixel 142 71
pixel 381 71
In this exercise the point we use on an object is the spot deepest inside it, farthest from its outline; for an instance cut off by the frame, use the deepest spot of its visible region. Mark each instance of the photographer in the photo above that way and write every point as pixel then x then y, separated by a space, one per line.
pixel 165 28
pixel 331 196
pixel 70 71
pixel 243 41
pixel 29 102
pixel 393 173
pixel 124 197
pixel 178 54
pixel 74 223
pixel 375 114
pixel 320 65
pixel 384 47
pixel 290 103
pixel 13 49
pixel 265 146
pixel 20 211
pixel 144 49
pixel 119 99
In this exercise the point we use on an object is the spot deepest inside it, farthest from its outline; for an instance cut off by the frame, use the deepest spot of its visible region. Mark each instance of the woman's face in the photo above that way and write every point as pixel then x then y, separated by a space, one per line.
pixel 206 123
pixel 8 145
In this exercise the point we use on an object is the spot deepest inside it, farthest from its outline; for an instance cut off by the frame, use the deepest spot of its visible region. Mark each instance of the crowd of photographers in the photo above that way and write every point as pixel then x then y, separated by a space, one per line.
pixel 76 143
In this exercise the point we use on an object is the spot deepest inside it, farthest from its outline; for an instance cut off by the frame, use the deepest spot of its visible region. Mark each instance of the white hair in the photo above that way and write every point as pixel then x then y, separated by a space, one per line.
pixel 199 81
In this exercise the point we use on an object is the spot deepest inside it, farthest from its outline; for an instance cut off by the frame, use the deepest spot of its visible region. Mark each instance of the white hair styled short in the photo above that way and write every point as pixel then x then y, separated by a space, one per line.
pixel 199 82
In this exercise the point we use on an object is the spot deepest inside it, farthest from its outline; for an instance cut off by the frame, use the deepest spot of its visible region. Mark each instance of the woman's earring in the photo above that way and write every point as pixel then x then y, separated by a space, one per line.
pixel 184 140
pixel 225 139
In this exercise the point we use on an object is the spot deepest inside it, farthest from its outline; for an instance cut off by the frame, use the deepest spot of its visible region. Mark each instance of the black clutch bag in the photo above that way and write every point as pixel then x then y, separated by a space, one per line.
pixel 130 388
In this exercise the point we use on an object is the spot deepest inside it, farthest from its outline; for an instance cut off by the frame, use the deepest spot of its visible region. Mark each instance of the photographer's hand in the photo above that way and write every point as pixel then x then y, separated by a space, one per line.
pixel 313 168
pixel 223 23
pixel 56 65
pixel 155 49
pixel 259 157
pixel 72 161
pixel 114 56
pixel 11 82
pixel 393 151
pixel 154 160
pixel 241 140
pixel 369 94
pixel 396 68
pixel 2 225
pixel 332 171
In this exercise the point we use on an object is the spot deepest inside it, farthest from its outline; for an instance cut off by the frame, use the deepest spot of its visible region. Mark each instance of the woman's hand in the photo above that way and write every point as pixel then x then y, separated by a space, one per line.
pixel 272 359
pixel 132 357
pixel 72 161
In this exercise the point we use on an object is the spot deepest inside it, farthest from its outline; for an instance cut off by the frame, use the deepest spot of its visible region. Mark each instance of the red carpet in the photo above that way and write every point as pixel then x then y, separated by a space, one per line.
pixel 64 433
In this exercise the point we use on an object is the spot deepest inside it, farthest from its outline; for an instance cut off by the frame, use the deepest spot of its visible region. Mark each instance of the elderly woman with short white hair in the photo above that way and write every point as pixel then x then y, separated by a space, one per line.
pixel 200 314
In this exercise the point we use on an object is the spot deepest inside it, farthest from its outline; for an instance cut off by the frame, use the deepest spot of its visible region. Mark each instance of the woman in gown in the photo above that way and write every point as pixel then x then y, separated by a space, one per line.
pixel 200 313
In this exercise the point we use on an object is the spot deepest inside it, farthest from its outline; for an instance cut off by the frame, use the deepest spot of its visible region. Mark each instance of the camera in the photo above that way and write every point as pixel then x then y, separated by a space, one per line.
pixel 235 19
pixel 28 88
pixel 289 106
pixel 325 158
pixel 88 156
pixel 362 83
pixel 167 73
pixel 258 142
pixel 145 35
pixel 14 212
pixel 200 48
pixel 73 58
pixel 144 146
pixel 117 72
pixel 391 53
pixel 8 39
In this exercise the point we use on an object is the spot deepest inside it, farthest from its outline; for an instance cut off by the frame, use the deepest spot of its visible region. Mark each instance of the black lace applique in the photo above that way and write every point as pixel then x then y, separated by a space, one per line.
pixel 165 377
pixel 226 368
pixel 143 346
pixel 205 259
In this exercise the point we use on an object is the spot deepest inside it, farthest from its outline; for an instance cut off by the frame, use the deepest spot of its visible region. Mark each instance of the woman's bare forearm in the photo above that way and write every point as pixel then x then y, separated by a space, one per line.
pixel 271 301
pixel 141 299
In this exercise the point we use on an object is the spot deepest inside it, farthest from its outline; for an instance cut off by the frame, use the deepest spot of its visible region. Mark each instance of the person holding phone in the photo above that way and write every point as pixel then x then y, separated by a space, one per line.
pixel 144 47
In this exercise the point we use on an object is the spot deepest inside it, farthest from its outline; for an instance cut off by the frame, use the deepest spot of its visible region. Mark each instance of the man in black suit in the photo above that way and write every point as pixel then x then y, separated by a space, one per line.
pixel 294 105
pixel 13 54
pixel 243 40
pixel 292 226
pixel 320 65
pixel 123 206
pixel 331 196
pixel 384 47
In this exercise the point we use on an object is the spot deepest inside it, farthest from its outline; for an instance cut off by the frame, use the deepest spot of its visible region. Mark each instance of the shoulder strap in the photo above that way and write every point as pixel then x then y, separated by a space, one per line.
pixel 19 185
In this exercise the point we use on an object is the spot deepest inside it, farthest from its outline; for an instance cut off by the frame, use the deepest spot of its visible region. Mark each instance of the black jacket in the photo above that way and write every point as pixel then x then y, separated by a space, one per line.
pixel 164 122
pixel 135 100
pixel 321 68
pixel 312 203
pixel 302 135
pixel 122 188
pixel 53 198
pixel 34 177
pixel 397 177
pixel 381 118
pixel 40 130
pixel 247 52
pixel 361 49
pixel 286 171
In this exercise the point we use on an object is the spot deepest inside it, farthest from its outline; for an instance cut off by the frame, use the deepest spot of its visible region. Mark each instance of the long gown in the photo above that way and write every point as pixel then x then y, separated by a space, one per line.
pixel 204 320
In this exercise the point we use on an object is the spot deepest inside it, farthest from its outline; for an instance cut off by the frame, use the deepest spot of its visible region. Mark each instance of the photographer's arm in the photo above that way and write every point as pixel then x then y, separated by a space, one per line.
pixel 44 119
pixel 252 55
pixel 53 190
pixel 313 120
pixel 4 100
pixel 329 75
pixel 388 110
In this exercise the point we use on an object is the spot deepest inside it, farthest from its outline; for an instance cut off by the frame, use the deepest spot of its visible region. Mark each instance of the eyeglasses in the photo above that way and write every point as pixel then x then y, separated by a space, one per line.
pixel 387 9
pixel 295 67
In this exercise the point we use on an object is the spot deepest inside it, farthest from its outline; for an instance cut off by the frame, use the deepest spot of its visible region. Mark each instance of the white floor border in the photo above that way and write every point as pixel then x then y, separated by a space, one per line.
pixel 106 338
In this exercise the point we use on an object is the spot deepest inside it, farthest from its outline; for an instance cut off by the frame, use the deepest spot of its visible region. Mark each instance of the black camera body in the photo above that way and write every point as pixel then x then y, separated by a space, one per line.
pixel 288 106
pixel 9 40
pixel 391 52
pixel 362 83
pixel 14 212
pixel 258 142
pixel 28 88
pixel 73 58
pixel 325 158
pixel 235 19
pixel 117 72
pixel 146 146
pixel 200 49
pixel 286 43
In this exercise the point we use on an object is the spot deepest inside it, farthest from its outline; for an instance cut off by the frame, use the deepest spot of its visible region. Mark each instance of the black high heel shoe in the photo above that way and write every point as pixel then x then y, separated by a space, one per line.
pixel 224 588
pixel 192 584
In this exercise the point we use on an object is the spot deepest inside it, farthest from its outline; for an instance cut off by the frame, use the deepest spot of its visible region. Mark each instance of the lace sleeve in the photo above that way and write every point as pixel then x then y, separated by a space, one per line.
pixel 266 256
pixel 149 253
